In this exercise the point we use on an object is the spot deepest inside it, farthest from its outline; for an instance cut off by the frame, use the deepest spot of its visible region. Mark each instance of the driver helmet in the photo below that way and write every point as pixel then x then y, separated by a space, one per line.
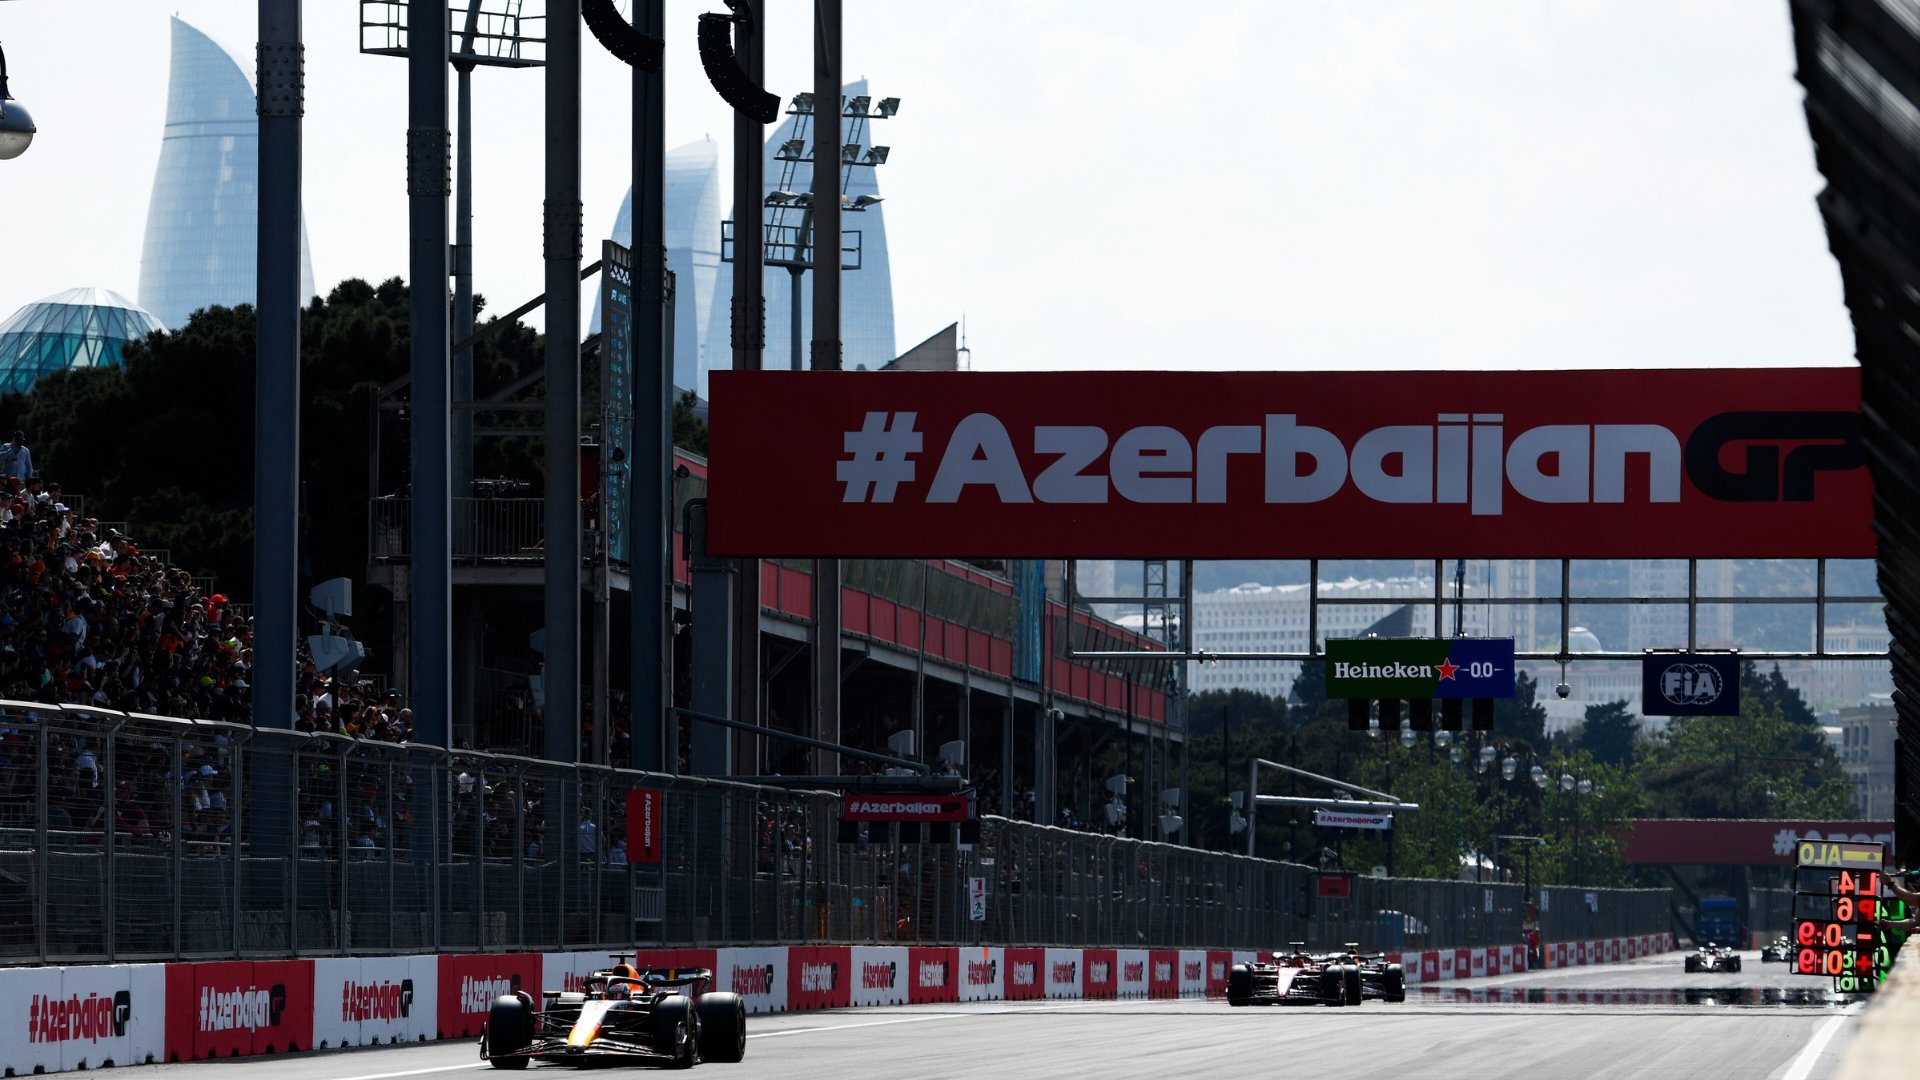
pixel 619 991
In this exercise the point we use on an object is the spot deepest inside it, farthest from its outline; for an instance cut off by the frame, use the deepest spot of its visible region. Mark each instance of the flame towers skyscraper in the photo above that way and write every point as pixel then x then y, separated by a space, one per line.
pixel 199 248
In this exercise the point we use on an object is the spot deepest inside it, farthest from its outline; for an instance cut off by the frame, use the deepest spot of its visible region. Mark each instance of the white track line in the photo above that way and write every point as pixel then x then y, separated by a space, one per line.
pixel 958 1015
pixel 955 1015
pixel 416 1072
pixel 1803 1065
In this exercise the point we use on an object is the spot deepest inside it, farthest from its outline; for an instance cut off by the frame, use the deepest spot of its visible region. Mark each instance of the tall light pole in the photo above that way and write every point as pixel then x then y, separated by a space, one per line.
pixel 16 123
pixel 562 249
pixel 733 53
pixel 429 186
pixel 276 424
pixel 487 39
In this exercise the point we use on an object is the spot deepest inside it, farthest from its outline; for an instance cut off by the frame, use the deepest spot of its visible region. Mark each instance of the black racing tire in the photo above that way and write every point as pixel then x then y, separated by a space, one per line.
pixel 1356 989
pixel 1333 987
pixel 1734 964
pixel 723 1027
pixel 1240 985
pixel 1693 964
pixel 1393 983
pixel 676 1031
pixel 509 1030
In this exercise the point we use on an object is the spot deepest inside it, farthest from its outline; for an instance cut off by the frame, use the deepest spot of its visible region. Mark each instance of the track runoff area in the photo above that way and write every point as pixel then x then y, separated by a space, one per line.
pixel 1646 1018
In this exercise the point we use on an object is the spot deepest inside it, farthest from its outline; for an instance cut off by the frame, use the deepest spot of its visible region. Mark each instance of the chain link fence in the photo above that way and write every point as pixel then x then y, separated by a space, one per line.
pixel 130 837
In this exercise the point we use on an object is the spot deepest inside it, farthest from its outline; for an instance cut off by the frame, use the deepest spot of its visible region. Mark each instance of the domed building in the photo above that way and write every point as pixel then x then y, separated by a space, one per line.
pixel 76 328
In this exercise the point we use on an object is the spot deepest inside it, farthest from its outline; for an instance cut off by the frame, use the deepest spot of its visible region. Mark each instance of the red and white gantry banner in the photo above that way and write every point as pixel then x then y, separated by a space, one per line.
pixel 1706 463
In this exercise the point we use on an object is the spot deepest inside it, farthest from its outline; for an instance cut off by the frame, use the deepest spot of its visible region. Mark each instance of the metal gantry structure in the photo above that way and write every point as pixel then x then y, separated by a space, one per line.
pixel 1563 602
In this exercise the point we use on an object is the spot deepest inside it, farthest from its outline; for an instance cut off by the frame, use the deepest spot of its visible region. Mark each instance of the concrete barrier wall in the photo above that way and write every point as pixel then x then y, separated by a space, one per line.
pixel 54 1019
pixel 1887 1042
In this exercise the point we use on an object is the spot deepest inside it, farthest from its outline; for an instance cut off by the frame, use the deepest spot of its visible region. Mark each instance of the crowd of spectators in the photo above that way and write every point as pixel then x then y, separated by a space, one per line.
pixel 87 618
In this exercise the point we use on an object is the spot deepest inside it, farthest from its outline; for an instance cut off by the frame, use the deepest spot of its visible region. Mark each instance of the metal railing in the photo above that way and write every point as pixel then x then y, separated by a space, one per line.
pixel 509 529
pixel 126 837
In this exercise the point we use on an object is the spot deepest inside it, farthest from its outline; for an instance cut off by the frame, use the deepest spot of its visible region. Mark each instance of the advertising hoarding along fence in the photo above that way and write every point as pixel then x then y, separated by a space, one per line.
pixel 1705 463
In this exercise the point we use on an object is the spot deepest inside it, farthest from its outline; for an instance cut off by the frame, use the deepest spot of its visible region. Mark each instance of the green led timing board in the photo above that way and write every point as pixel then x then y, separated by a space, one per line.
pixel 1839 903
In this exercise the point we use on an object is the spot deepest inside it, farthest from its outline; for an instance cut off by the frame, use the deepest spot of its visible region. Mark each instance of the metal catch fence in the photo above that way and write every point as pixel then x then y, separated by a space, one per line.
pixel 130 837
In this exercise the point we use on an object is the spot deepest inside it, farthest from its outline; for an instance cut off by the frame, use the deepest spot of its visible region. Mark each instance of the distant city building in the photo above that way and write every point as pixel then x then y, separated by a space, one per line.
pixel 73 329
pixel 1664 626
pixel 1865 749
pixel 693 254
pixel 1274 618
pixel 866 294
pixel 203 215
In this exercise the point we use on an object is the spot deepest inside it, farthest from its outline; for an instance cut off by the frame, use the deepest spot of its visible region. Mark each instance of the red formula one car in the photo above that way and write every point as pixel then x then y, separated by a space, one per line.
pixel 620 1016
pixel 1378 978
pixel 1295 978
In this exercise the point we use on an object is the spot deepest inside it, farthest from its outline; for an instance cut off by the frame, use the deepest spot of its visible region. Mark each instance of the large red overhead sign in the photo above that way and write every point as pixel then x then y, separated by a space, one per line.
pixel 1709 463
pixel 1739 841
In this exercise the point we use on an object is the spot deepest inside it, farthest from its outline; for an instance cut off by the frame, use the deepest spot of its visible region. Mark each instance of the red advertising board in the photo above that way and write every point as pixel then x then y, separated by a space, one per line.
pixel 1218 965
pixel 643 825
pixel 674 958
pixel 470 981
pixel 236 1008
pixel 1739 842
pixel 1163 973
pixel 819 977
pixel 1708 463
pixel 1332 885
pixel 1099 974
pixel 933 975
pixel 1026 974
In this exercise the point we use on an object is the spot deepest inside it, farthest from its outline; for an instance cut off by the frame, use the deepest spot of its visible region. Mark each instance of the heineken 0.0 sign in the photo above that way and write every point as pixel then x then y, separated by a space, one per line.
pixel 1368 668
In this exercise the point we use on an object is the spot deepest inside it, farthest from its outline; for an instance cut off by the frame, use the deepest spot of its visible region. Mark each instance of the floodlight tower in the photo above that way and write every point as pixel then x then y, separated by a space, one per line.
pixel 494 33
pixel 790 242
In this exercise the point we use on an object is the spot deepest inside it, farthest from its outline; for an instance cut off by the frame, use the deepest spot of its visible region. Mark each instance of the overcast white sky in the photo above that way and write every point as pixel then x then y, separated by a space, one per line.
pixel 1110 183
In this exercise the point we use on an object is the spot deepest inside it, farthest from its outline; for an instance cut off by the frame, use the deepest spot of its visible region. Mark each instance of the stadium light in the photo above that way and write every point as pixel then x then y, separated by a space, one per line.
pixel 850 153
pixel 889 106
pixel 803 104
pixel 792 150
pixel 16 123
pixel 781 198
pixel 877 155
pixel 857 105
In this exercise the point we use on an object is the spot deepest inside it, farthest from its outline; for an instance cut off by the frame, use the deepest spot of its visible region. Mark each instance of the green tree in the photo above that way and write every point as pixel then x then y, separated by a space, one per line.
pixel 1521 716
pixel 1583 825
pixel 1770 761
pixel 1609 733
pixel 1436 841
pixel 689 431
pixel 164 441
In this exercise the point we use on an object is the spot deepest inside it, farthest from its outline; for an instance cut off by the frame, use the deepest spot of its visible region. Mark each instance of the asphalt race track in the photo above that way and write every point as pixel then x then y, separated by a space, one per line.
pixel 1642 1019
